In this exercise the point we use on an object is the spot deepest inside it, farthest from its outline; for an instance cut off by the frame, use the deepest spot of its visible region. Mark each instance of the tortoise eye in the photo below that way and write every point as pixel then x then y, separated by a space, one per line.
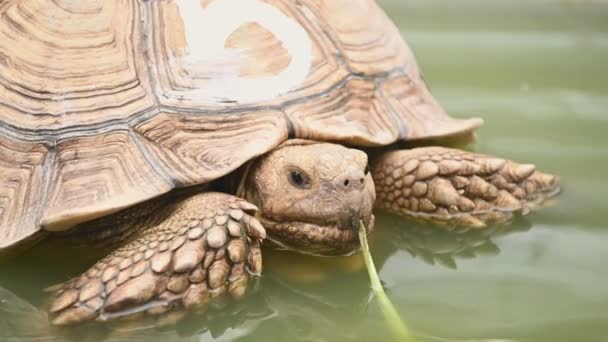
pixel 366 171
pixel 299 179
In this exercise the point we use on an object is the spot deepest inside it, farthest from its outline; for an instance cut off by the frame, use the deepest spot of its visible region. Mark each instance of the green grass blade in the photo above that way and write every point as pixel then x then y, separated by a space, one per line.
pixel 399 329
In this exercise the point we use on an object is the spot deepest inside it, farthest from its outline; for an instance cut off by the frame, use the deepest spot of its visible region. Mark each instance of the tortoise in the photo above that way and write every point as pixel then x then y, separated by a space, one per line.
pixel 185 133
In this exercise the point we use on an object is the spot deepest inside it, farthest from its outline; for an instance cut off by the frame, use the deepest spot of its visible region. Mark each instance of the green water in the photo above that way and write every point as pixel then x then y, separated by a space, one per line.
pixel 537 73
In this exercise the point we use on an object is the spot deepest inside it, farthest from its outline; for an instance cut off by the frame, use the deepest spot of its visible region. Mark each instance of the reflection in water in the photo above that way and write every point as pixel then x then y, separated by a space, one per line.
pixel 20 320
pixel 298 295
pixel 307 298
pixel 445 247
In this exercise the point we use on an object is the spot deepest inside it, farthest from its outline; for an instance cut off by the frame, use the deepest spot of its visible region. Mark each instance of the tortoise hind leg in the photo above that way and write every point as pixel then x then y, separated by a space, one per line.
pixel 457 188
pixel 207 246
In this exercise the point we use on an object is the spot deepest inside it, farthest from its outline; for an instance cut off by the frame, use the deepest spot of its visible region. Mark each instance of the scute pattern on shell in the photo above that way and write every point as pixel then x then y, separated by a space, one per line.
pixel 117 118
pixel 452 187
pixel 127 283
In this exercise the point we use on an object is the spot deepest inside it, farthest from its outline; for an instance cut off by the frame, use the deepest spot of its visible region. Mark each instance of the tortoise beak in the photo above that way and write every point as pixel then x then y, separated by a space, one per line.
pixel 354 214
pixel 361 208
pixel 358 212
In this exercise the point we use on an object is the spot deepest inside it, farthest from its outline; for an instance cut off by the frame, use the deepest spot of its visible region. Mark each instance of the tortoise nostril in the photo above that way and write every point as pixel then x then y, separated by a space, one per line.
pixel 362 180
pixel 346 182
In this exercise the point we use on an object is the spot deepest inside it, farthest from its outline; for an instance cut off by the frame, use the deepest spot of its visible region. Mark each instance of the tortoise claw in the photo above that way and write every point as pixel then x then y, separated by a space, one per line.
pixel 202 250
pixel 449 187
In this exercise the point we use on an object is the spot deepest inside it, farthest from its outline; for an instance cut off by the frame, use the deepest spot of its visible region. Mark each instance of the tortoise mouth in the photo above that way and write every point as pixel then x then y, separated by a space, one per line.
pixel 314 238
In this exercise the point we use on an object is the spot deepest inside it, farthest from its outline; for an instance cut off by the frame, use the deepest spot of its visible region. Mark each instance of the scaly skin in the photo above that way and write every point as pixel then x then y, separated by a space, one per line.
pixel 208 245
pixel 321 217
pixel 182 250
pixel 450 187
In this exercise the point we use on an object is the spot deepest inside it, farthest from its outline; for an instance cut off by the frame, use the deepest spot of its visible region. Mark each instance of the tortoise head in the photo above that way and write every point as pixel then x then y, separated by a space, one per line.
pixel 312 196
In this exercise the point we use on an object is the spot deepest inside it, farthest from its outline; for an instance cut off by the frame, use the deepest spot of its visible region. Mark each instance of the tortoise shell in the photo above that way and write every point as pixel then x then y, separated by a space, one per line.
pixel 108 103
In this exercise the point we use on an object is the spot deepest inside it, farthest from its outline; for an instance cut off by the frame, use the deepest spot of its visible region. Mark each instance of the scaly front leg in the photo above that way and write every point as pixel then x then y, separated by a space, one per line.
pixel 200 247
pixel 450 187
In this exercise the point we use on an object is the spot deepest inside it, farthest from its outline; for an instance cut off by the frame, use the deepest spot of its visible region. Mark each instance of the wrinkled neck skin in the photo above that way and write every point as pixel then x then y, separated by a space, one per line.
pixel 321 215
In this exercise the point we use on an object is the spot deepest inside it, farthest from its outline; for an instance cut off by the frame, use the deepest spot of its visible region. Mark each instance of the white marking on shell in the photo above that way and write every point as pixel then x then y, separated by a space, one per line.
pixel 207 31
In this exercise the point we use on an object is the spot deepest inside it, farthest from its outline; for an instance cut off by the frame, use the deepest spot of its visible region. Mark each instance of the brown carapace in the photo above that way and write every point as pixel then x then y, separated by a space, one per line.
pixel 100 108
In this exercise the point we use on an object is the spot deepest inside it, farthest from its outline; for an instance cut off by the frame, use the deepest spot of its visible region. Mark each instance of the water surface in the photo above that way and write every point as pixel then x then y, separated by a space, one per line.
pixel 536 72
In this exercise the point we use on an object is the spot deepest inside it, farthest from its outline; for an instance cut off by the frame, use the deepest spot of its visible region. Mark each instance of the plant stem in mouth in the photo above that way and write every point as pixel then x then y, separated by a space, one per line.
pixel 399 329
